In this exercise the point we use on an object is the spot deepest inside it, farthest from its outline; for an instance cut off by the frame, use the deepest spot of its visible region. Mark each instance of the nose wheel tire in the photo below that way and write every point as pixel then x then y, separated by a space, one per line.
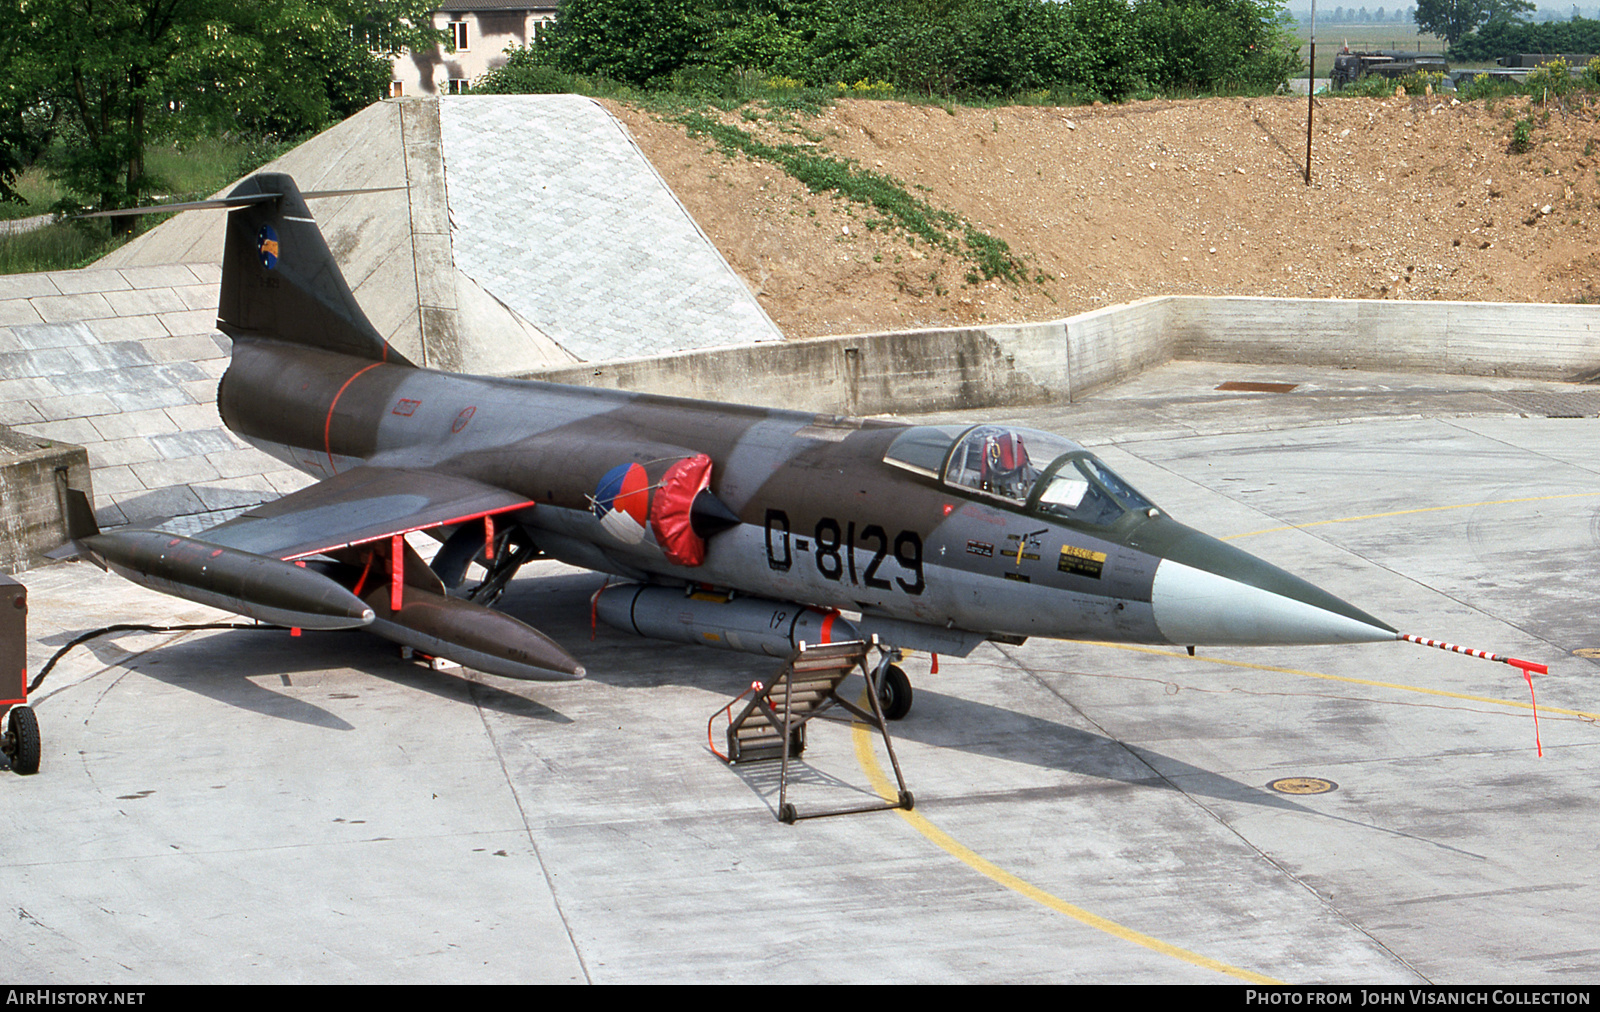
pixel 894 692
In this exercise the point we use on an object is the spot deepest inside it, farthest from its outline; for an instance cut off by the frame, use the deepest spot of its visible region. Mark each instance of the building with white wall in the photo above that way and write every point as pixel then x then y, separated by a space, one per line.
pixel 481 31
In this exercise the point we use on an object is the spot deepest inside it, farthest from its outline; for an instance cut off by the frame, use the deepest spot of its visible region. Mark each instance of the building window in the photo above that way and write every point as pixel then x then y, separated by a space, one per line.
pixel 458 35
pixel 396 89
pixel 458 86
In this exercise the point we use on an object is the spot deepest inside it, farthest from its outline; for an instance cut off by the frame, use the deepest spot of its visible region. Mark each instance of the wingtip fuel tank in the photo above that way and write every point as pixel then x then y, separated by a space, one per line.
pixel 470 634
pixel 242 582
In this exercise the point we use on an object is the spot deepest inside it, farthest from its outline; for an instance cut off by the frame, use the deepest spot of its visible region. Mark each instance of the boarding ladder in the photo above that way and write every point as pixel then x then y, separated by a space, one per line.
pixel 773 723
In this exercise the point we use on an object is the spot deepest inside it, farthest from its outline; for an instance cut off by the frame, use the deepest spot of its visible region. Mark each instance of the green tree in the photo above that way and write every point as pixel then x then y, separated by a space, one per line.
pixel 22 134
pixel 980 48
pixel 1507 38
pixel 1452 19
pixel 636 41
pixel 123 73
pixel 286 67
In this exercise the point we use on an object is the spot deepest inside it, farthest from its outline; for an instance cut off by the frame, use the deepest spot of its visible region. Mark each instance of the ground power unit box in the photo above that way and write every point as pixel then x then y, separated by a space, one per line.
pixel 20 743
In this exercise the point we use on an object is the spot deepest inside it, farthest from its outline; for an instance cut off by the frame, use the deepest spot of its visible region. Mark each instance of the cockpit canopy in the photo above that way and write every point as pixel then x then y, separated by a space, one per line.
pixel 1023 468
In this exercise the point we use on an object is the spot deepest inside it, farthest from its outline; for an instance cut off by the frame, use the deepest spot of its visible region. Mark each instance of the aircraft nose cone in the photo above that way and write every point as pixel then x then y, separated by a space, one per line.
pixel 1207 592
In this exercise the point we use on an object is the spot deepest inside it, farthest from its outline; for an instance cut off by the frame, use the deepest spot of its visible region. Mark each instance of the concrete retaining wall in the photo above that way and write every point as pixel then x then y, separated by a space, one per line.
pixel 31 521
pixel 1532 341
pixel 1117 343
pixel 975 367
pixel 863 374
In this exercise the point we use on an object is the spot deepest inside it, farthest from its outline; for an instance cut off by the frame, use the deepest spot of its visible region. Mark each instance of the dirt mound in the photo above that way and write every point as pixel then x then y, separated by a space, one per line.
pixel 1412 197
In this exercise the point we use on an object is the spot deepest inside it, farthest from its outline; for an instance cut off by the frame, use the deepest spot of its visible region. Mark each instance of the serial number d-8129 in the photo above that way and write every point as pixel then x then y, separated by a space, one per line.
pixel 833 548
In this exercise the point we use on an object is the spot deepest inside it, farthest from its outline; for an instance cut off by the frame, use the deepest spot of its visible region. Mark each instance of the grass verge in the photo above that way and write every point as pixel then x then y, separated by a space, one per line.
pixel 988 256
pixel 192 170
pixel 57 247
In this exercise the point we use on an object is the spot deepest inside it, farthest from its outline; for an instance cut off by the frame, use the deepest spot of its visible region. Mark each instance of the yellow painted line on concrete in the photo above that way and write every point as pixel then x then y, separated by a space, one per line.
pixel 944 841
pixel 889 792
pixel 1345 678
pixel 1401 513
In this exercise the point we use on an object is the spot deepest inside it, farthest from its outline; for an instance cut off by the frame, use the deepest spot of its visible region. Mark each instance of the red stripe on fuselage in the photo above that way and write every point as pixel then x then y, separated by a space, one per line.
pixel 327 426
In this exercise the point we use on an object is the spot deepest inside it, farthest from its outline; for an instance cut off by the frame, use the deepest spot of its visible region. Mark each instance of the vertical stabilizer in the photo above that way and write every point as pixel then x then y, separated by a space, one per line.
pixel 280 281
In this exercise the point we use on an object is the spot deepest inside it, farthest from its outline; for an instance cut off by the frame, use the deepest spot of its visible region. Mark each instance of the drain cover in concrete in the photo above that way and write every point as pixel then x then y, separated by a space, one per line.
pixel 1552 403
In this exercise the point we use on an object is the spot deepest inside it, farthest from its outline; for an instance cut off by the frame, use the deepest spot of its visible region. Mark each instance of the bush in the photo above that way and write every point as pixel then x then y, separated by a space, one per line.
pixel 1378 86
pixel 1226 47
pixel 1521 136
pixel 1550 79
pixel 1487 88
pixel 977 49
pixel 1507 38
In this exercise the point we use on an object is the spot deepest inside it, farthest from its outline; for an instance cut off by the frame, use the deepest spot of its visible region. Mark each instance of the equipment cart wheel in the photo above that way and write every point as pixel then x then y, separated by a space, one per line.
pixel 22 740
pixel 894 692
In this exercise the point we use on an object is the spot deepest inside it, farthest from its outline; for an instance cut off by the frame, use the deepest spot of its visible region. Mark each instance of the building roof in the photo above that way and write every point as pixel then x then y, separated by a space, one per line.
pixel 465 6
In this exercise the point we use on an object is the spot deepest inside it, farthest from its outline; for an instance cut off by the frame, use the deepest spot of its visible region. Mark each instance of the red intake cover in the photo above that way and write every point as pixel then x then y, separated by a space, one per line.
pixel 669 510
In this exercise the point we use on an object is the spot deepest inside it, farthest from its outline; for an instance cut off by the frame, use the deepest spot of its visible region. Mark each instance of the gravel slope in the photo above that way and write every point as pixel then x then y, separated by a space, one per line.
pixel 1412 197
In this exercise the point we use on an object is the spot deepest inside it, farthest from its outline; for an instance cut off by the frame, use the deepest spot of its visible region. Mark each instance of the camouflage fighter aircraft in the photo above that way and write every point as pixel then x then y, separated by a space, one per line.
pixel 737 527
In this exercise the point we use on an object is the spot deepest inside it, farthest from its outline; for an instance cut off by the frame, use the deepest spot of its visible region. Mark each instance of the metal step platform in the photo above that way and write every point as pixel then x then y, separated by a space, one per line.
pixel 773 724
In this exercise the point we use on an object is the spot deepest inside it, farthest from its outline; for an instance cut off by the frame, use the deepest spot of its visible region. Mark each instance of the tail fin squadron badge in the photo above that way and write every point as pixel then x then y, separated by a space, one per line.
pixel 267 244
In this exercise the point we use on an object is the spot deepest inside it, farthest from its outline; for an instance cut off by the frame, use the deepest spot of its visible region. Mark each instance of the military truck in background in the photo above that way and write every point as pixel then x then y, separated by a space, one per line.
pixel 1350 67
pixel 1527 61
pixel 1517 67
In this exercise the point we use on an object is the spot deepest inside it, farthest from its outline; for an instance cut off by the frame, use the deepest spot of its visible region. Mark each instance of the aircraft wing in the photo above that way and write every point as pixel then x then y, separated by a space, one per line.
pixel 360 505
pixel 248 565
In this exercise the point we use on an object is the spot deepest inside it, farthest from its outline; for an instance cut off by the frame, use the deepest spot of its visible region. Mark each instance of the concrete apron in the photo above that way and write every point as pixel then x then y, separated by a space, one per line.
pixel 247 806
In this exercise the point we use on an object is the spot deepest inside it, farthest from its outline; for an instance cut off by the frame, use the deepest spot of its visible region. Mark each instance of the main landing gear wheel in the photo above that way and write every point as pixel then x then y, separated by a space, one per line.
pixel 22 740
pixel 894 692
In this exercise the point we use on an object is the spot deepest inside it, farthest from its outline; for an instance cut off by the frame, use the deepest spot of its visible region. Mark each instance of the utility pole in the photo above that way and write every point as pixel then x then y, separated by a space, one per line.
pixel 1311 88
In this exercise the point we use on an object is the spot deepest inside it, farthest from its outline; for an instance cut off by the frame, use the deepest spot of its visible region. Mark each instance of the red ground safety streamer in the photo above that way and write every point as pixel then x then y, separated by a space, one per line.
pixel 1528 669
pixel 711 742
pixel 594 609
pixel 293 630
pixel 1527 676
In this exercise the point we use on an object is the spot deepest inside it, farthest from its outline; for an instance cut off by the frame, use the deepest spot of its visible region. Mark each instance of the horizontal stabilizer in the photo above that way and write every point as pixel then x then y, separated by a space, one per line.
pixel 187 205
pixel 229 203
